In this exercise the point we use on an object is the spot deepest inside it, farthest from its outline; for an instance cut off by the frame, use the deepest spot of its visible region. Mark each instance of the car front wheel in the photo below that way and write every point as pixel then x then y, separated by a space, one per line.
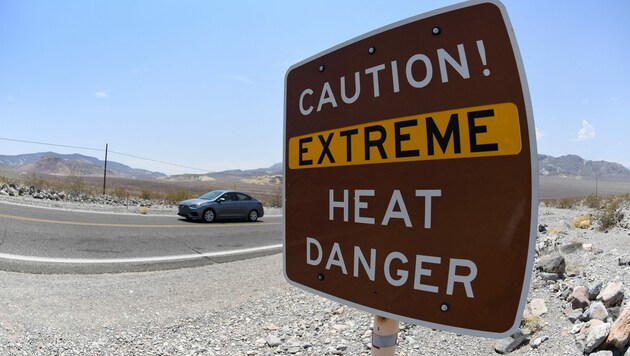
pixel 209 216
pixel 253 215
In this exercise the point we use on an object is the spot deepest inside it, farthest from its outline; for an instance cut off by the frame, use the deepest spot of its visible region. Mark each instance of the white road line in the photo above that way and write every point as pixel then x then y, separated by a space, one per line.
pixel 22 258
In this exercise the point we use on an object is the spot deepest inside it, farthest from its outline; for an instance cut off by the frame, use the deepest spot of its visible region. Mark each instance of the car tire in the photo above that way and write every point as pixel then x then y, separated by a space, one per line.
pixel 208 216
pixel 252 216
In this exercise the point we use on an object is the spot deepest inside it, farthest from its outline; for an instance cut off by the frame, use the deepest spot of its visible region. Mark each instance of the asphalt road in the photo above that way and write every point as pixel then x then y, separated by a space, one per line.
pixel 40 240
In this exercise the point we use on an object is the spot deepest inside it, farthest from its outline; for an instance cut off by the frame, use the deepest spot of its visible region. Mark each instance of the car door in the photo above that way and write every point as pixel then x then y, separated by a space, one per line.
pixel 243 204
pixel 228 205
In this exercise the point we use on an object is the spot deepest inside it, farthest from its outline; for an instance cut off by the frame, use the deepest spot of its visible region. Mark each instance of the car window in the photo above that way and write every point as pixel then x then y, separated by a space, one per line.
pixel 230 196
pixel 210 195
pixel 242 197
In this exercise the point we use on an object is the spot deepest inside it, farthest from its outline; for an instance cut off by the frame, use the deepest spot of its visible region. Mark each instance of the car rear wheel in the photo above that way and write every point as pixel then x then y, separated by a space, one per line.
pixel 209 216
pixel 252 216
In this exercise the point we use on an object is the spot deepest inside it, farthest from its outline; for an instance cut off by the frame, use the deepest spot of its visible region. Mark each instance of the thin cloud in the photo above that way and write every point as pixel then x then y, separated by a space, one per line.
pixel 102 94
pixel 587 132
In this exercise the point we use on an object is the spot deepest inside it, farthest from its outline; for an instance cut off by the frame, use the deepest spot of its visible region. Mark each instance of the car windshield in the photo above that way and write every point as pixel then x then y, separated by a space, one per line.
pixel 211 195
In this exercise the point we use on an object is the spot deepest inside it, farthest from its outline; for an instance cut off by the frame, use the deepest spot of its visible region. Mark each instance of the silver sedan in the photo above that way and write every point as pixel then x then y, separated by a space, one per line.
pixel 221 204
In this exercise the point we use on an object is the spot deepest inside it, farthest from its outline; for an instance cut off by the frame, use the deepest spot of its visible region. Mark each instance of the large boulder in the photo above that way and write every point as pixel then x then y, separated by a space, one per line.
pixel 619 335
pixel 553 263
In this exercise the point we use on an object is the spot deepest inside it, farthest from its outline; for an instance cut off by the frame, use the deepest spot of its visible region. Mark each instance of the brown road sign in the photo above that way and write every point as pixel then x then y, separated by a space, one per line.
pixel 410 172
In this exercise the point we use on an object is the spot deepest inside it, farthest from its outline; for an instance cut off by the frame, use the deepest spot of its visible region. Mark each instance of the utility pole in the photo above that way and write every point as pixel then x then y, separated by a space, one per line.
pixel 105 170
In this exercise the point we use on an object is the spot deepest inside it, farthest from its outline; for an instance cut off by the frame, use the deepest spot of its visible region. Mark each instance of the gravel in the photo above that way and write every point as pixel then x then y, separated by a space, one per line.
pixel 247 308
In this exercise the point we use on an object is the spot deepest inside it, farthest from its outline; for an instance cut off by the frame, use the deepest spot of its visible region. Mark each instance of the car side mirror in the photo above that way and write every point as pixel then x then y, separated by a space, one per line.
pixel 221 200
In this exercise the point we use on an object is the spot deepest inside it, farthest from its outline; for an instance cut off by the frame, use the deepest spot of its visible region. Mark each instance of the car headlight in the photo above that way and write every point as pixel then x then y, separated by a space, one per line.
pixel 195 206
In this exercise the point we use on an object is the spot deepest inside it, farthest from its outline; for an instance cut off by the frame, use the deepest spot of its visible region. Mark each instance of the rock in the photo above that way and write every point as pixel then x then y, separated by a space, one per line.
pixel 545 276
pixel 273 341
pixel 542 228
pixel 575 315
pixel 589 325
pixel 566 293
pixel 620 331
pixel 602 353
pixel 612 294
pixel 579 298
pixel 594 291
pixel 511 343
pixel 537 342
pixel 571 248
pixel 577 328
pixel 596 310
pixel 536 307
pixel 614 312
pixel 596 337
pixel 624 261
pixel 554 263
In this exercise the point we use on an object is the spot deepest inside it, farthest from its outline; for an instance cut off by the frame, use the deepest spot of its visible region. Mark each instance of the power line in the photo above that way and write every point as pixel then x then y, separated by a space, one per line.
pixel 102 150
pixel 154 160
pixel 53 144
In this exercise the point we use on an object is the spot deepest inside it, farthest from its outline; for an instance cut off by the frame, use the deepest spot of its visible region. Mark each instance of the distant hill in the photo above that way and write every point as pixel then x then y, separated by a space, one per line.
pixel 568 166
pixel 260 176
pixel 71 165
pixel 572 166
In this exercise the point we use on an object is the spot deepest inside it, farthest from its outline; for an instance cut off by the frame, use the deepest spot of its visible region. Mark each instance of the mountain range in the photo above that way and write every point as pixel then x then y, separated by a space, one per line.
pixel 573 166
pixel 71 165
pixel 570 166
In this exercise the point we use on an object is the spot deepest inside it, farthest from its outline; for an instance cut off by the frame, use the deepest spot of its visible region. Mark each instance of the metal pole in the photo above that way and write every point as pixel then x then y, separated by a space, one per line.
pixel 384 336
pixel 105 170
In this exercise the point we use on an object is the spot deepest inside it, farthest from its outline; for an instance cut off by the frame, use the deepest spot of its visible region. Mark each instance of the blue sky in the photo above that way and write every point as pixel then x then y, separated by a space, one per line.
pixel 201 83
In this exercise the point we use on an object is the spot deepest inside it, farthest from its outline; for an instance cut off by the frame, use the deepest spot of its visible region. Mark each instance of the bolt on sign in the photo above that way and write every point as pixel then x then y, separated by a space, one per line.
pixel 410 172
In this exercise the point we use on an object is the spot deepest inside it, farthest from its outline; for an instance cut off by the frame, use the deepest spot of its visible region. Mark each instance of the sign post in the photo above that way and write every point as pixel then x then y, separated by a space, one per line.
pixel 410 172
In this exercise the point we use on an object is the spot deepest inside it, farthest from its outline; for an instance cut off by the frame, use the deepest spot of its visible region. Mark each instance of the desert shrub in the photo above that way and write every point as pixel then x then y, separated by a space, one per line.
pixel 121 192
pixel 273 199
pixel 145 194
pixel 179 195
pixel 562 203
pixel 77 185
pixel 37 182
pixel 593 202
pixel 532 322
pixel 582 222
pixel 610 213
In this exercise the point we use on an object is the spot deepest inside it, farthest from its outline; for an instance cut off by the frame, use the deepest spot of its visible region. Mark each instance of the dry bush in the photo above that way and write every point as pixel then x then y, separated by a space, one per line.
pixel 610 213
pixel 79 186
pixel 121 192
pixel 532 322
pixel 583 222
pixel 179 195
pixel 37 182
pixel 593 202
pixel 145 194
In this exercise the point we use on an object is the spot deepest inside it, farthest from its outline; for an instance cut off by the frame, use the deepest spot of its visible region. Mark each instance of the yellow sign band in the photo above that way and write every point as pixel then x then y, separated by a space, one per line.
pixel 481 131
